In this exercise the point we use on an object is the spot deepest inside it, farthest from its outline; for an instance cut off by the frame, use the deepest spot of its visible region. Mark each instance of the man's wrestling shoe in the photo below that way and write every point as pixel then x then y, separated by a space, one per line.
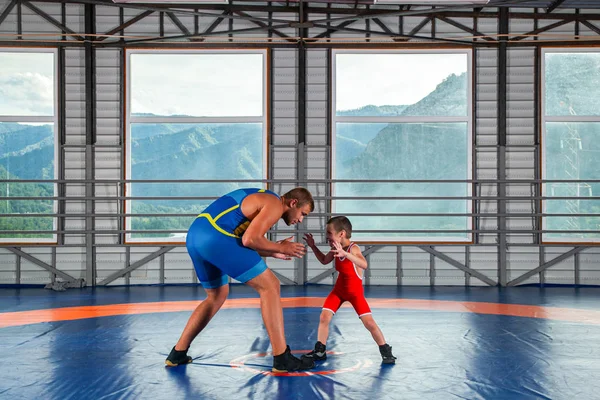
pixel 286 362
pixel 178 358
pixel 318 354
pixel 386 354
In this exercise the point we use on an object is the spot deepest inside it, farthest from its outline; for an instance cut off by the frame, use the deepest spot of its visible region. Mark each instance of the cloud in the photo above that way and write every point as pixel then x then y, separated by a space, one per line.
pixel 26 94
pixel 189 84
pixel 391 79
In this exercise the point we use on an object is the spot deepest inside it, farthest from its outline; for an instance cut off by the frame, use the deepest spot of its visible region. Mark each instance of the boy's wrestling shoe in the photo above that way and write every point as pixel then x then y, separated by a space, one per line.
pixel 318 354
pixel 178 358
pixel 386 354
pixel 286 362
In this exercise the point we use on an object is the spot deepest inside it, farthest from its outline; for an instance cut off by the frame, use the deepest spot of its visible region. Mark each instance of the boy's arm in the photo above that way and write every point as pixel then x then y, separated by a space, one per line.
pixel 323 258
pixel 355 255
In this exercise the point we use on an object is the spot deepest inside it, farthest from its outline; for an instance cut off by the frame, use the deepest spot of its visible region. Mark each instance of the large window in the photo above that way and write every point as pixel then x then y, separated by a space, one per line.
pixel 191 115
pixel 571 144
pixel 28 121
pixel 403 115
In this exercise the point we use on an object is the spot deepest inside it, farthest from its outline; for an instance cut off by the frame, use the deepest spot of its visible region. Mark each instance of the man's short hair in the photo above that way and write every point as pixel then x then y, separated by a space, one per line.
pixel 302 195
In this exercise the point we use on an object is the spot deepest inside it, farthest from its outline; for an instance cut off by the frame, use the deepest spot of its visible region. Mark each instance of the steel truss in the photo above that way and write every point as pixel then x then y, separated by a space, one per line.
pixel 328 20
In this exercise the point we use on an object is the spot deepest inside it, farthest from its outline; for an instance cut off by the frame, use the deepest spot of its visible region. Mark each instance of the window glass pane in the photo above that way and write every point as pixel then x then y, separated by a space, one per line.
pixel 189 151
pixel 401 84
pixel 26 152
pixel 26 84
pixel 572 84
pixel 572 151
pixel 407 151
pixel 198 85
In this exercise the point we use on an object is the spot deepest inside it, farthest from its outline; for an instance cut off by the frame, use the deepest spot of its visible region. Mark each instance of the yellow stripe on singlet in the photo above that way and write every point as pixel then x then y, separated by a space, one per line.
pixel 213 222
pixel 226 211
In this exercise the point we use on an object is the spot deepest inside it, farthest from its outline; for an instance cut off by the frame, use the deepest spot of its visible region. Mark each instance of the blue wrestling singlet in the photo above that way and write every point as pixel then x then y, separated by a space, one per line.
pixel 214 242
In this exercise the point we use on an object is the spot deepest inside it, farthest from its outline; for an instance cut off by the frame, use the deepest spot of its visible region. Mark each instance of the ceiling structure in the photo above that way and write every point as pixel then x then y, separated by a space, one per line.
pixel 323 23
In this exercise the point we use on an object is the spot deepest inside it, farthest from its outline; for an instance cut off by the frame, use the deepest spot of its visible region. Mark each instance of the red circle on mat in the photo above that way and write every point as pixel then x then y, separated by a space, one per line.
pixel 240 363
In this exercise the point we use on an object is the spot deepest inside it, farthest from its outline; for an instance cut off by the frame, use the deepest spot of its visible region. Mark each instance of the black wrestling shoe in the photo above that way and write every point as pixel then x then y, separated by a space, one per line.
pixel 318 353
pixel 178 358
pixel 386 354
pixel 286 362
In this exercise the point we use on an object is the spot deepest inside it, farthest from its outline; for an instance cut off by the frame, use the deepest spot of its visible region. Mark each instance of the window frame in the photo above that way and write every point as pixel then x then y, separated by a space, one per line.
pixel 54 121
pixel 468 119
pixel 128 120
pixel 544 119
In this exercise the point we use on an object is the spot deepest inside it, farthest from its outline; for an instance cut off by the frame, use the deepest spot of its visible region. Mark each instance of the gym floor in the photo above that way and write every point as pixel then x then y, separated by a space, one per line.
pixel 451 343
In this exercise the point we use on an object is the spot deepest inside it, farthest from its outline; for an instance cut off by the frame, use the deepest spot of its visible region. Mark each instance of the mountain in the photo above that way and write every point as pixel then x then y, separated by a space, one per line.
pixel 572 84
pixel 219 151
pixel 363 151
pixel 448 99
pixel 27 151
pixel 347 149
pixel 16 137
pixel 157 146
pixel 23 189
pixel 412 151
pixel 389 153
pixel 143 131
pixel 408 151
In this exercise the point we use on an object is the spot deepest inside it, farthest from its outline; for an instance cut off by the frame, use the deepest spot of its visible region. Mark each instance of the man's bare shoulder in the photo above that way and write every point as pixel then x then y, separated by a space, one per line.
pixel 264 201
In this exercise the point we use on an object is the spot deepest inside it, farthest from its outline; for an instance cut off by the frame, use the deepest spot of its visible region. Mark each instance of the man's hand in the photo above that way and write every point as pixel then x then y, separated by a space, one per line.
pixel 292 249
pixel 287 239
pixel 282 256
pixel 338 250
pixel 308 238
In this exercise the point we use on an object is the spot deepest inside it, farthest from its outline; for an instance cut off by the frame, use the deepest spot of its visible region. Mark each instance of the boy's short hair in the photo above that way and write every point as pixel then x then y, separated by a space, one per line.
pixel 302 195
pixel 341 223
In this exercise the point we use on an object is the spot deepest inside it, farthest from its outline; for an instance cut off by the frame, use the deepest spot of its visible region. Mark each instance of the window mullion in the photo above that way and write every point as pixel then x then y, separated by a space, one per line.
pixel 409 120
pixel 12 118
pixel 195 120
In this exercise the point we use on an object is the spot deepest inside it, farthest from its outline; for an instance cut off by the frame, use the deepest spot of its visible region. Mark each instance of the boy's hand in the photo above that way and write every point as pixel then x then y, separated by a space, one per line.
pixel 308 238
pixel 338 250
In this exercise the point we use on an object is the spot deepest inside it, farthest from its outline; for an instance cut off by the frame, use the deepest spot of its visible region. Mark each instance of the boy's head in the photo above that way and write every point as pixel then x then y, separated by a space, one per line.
pixel 339 229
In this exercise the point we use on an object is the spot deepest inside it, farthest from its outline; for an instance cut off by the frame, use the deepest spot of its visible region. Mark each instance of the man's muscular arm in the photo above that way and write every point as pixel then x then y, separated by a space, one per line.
pixel 269 213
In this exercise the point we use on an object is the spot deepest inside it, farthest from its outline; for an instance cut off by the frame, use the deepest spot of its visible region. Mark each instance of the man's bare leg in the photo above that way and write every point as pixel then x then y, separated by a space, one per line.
pixel 267 286
pixel 202 316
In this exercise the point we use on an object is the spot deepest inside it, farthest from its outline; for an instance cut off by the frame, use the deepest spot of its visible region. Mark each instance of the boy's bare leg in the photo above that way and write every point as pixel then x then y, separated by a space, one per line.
pixel 372 327
pixel 267 286
pixel 324 321
pixel 202 316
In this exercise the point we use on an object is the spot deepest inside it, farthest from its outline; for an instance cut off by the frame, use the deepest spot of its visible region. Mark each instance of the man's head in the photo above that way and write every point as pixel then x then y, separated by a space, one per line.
pixel 338 229
pixel 300 203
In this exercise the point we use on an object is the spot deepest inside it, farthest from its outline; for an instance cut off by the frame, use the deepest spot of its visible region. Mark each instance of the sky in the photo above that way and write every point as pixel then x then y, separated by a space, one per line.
pixel 26 84
pixel 391 79
pixel 212 85
pixel 197 85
